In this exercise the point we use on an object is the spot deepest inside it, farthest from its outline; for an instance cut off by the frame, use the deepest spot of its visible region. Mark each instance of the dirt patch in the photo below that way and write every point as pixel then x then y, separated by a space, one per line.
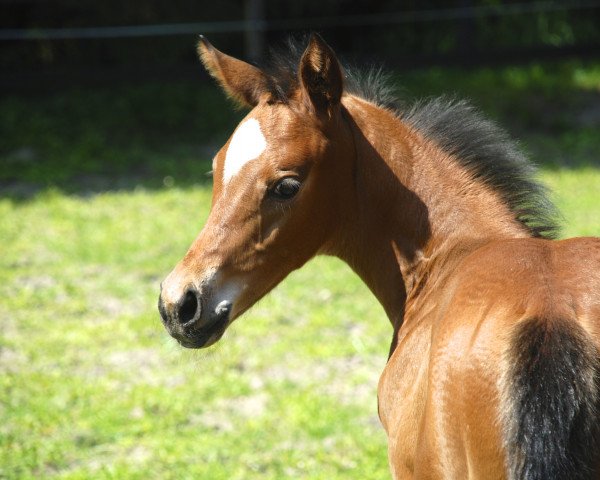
pixel 351 380
pixel 11 361
pixel 224 414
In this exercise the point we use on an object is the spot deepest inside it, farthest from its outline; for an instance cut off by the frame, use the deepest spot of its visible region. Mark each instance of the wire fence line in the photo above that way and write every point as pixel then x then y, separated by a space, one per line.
pixel 159 30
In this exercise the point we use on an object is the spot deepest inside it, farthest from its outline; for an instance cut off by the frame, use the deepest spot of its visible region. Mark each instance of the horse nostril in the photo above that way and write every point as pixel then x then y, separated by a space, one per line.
pixel 188 308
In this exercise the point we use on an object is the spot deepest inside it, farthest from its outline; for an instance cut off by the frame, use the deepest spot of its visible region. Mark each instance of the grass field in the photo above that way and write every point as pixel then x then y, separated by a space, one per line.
pixel 92 218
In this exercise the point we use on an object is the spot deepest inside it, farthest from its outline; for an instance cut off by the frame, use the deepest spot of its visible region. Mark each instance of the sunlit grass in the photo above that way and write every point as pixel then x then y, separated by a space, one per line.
pixel 577 193
pixel 92 386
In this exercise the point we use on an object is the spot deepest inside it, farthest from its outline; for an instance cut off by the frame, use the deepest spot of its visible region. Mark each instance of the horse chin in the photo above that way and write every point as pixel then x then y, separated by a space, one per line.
pixel 204 337
pixel 200 342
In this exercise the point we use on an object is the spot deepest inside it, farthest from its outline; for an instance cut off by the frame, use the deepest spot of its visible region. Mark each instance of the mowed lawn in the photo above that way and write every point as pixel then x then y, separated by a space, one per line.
pixel 92 387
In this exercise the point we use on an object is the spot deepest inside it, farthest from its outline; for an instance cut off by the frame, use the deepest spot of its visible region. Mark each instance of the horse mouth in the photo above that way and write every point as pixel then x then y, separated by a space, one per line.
pixel 206 335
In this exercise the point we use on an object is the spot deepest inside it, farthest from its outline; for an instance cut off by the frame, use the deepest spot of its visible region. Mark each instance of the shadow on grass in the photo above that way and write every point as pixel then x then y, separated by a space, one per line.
pixel 90 141
pixel 157 173
pixel 155 135
pixel 183 175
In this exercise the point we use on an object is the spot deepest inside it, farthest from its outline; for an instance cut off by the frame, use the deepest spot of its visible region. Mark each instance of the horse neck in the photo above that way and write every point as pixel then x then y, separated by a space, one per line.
pixel 416 212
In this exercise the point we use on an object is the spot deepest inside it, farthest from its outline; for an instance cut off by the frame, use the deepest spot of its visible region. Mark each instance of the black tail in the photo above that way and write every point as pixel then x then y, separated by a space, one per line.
pixel 552 403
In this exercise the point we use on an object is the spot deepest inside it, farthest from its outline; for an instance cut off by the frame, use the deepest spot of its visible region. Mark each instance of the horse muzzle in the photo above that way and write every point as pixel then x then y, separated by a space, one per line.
pixel 192 321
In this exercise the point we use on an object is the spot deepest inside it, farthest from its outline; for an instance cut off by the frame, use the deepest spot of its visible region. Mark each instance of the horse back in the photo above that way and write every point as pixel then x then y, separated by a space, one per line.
pixel 505 283
pixel 520 279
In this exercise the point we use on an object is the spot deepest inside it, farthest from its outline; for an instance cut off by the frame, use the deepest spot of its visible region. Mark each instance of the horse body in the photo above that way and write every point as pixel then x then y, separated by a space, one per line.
pixel 451 361
pixel 494 370
pixel 465 294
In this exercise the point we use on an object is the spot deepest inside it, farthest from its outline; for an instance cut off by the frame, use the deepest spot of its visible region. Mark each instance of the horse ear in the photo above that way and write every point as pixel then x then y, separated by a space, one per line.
pixel 243 82
pixel 320 75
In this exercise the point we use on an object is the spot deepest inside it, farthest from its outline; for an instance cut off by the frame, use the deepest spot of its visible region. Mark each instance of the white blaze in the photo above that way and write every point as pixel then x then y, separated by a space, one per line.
pixel 247 143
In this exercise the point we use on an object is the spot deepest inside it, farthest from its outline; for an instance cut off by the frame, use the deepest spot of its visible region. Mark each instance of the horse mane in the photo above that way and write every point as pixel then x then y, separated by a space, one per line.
pixel 490 155
pixel 477 143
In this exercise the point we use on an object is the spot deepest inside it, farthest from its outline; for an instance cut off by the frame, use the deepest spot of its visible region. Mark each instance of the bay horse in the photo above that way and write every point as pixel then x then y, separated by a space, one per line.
pixel 494 366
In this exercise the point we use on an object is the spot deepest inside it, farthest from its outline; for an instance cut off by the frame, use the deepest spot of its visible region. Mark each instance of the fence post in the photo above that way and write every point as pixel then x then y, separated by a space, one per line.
pixel 254 32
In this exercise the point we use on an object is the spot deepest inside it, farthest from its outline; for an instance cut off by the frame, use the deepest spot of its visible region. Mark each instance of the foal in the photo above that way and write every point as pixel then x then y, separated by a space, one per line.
pixel 494 368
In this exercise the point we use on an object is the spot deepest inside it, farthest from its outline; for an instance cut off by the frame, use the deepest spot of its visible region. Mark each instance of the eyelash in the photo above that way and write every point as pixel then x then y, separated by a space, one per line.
pixel 292 185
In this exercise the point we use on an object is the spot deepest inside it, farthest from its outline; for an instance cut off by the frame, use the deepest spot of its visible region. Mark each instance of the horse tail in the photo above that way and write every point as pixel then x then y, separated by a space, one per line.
pixel 551 400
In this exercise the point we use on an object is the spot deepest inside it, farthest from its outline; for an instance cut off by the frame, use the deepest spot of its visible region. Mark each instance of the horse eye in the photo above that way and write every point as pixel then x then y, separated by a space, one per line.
pixel 286 188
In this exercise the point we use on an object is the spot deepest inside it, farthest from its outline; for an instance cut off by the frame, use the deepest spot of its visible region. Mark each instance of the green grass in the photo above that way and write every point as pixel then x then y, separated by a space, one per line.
pixel 91 386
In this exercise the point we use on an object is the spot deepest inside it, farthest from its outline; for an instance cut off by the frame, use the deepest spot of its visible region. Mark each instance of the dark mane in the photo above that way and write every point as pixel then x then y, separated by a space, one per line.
pixel 488 152
pixel 479 145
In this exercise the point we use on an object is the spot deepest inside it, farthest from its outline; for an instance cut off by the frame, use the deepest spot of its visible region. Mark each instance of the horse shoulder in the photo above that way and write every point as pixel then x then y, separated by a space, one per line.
pixel 460 435
pixel 401 397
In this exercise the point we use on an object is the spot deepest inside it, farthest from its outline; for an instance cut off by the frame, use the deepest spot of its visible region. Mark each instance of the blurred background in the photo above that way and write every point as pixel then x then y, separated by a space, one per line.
pixel 108 125
pixel 82 39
